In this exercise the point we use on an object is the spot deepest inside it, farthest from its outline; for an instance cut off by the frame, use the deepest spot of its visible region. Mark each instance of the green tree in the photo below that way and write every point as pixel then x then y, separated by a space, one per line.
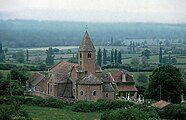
pixel 112 56
pixel 27 56
pixel 165 83
pixel 135 60
pixel 115 56
pixel 50 56
pixel 119 57
pixel 20 73
pixel 104 56
pixel 146 53
pixel 160 54
pixel 2 54
pixel 133 47
pixel 142 78
pixel 99 57
pixel 20 56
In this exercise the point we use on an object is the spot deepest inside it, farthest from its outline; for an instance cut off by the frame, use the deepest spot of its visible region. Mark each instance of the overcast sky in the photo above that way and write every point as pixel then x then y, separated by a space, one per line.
pixel 165 11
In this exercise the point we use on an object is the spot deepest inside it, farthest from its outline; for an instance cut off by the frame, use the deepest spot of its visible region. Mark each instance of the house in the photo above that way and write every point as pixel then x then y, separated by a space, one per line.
pixel 82 81
pixel 161 104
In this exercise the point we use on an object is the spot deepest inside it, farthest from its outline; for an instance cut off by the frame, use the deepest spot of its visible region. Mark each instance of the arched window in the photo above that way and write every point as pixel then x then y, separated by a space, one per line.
pixel 89 55
pixel 80 55
pixel 106 94
pixel 81 92
pixel 94 93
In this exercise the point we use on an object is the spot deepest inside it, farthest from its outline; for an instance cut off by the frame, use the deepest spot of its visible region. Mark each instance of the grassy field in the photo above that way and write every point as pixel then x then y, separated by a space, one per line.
pixel 44 113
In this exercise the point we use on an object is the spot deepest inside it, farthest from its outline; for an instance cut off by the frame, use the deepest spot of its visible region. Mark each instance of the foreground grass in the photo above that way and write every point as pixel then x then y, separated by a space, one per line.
pixel 45 113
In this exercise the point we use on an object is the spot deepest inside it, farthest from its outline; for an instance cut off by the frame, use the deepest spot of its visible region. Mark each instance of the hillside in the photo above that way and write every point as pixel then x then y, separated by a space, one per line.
pixel 31 33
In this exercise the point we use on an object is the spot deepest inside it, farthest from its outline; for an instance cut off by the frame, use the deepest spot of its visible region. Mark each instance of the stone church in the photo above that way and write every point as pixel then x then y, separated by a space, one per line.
pixel 82 81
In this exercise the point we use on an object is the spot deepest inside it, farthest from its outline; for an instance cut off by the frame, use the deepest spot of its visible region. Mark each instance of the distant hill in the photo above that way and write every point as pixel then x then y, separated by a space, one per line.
pixel 32 33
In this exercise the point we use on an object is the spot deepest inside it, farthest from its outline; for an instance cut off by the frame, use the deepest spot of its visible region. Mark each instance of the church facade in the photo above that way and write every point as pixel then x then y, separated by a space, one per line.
pixel 82 81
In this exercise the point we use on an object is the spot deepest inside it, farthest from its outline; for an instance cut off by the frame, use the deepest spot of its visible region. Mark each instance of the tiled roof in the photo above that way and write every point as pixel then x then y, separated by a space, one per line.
pixel 90 79
pixel 61 78
pixel 62 67
pixel 117 76
pixel 35 78
pixel 107 87
pixel 127 88
pixel 160 104
pixel 106 77
pixel 86 44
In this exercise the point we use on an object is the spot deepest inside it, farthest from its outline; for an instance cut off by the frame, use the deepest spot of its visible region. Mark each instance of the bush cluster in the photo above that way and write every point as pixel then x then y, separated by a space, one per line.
pixel 8 66
pixel 129 114
pixel 48 102
pixel 13 112
pixel 174 111
pixel 100 105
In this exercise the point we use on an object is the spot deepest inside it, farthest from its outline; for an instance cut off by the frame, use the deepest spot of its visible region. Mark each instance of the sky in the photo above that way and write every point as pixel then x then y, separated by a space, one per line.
pixel 161 11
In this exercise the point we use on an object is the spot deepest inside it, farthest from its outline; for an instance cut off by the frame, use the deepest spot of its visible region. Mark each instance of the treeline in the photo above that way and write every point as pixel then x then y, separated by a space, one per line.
pixel 30 33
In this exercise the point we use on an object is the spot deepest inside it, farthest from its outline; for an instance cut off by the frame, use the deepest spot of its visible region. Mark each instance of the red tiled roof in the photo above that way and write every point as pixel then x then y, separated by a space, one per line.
pixel 86 44
pixel 62 67
pixel 117 75
pixel 90 79
pixel 160 104
pixel 35 78
pixel 127 88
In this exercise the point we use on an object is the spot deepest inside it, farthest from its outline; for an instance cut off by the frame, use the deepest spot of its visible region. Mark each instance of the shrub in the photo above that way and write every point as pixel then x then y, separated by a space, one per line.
pixel 100 105
pixel 129 114
pixel 13 111
pixel 173 111
pixel 48 102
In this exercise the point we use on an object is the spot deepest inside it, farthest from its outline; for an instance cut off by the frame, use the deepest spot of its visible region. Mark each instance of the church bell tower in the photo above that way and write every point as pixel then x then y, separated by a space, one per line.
pixel 87 54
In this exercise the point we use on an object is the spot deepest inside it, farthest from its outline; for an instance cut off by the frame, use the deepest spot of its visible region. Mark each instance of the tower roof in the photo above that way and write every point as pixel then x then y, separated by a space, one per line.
pixel 86 44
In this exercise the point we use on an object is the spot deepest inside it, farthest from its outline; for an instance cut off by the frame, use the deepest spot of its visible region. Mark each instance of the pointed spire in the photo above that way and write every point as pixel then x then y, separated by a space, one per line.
pixel 86 44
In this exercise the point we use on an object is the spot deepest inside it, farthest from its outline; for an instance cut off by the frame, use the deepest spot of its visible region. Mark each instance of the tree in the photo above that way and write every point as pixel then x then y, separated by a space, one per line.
pixel 20 56
pixel 119 57
pixel 135 60
pixel 112 56
pixel 160 54
pixel 115 56
pixel 144 60
pixel 27 56
pixel 20 73
pixel 133 47
pixel 104 56
pixel 146 53
pixel 50 56
pixel 165 83
pixel 99 57
pixel 2 54
pixel 142 78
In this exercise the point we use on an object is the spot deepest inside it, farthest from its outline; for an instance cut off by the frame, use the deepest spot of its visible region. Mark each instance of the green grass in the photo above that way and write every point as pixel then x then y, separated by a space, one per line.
pixel 136 74
pixel 44 113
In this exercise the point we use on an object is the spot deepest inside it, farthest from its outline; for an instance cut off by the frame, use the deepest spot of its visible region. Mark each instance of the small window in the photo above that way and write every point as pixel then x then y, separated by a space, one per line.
pixel 50 88
pixel 80 63
pixel 89 55
pixel 106 94
pixel 94 93
pixel 80 55
pixel 81 92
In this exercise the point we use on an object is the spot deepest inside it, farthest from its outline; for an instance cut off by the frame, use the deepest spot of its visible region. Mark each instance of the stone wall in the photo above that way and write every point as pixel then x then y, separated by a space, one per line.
pixel 89 92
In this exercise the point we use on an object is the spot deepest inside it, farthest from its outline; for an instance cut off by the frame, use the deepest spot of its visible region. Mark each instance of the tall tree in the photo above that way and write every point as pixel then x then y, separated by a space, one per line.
pixel 2 54
pixel 27 56
pixel 119 57
pixel 165 83
pixel 130 47
pixel 160 54
pixel 115 56
pixel 50 56
pixel 20 56
pixel 133 47
pixel 1 48
pixel 104 56
pixel 146 53
pixel 112 56
pixel 99 57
